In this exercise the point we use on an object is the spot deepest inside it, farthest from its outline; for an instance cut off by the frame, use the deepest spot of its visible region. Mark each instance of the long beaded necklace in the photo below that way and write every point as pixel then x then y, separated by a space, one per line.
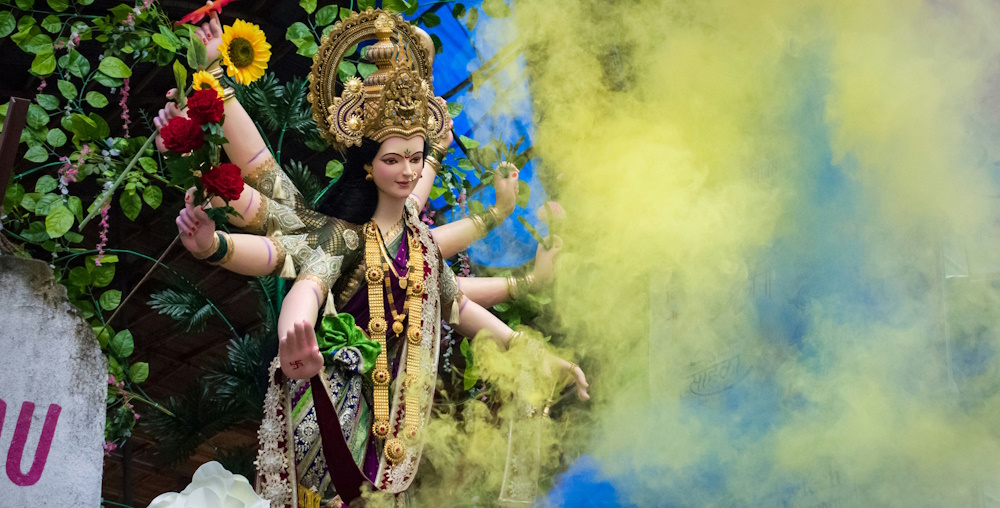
pixel 387 266
pixel 395 450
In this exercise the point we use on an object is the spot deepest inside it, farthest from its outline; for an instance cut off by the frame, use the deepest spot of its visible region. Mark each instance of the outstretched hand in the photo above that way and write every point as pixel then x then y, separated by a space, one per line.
pixel 211 34
pixel 575 372
pixel 506 187
pixel 169 110
pixel 298 352
pixel 545 260
pixel 197 230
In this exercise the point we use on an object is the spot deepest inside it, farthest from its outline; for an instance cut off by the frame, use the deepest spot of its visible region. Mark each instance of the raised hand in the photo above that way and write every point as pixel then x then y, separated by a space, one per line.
pixel 545 261
pixel 163 116
pixel 298 352
pixel 211 35
pixel 506 188
pixel 197 230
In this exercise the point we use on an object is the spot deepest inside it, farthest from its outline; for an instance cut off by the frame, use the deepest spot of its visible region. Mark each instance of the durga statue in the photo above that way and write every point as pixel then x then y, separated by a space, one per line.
pixel 351 390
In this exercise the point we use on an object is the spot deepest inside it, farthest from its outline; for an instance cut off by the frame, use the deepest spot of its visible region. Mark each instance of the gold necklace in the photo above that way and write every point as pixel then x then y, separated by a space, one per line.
pixel 390 262
pixel 394 450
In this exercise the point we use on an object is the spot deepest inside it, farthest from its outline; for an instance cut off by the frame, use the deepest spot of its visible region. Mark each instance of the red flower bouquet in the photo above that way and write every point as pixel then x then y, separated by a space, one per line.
pixel 205 106
pixel 224 181
pixel 182 135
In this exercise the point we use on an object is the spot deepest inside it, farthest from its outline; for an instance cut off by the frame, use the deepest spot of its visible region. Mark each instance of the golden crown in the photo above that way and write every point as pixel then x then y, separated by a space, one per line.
pixel 395 100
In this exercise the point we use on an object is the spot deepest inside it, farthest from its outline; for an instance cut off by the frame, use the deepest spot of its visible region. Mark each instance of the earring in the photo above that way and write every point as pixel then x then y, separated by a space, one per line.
pixel 369 169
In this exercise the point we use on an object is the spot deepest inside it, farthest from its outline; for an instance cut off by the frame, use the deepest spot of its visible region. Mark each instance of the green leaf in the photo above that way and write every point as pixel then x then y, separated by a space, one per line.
pixel 37 116
pixel 45 203
pixel 75 205
pixel 7 23
pixel 46 184
pixel 454 109
pixel 468 143
pixel 104 336
pixel 180 79
pixel 37 154
pixel 326 15
pixel 13 196
pixel 458 11
pixel 73 237
pixel 75 63
pixel 307 47
pixel 308 5
pixel 438 47
pixel 153 196
pixel 67 89
pixel 49 102
pixel 29 201
pixel 334 169
pixel 107 260
pixel 365 4
pixel 430 20
pixel 345 13
pixel 131 204
pixel 40 43
pixel 102 275
pixel 496 8
pixel 346 70
pixel 79 277
pixel 523 193
pixel 297 31
pixel 106 80
pixel 25 5
pixel 58 221
pixel 51 23
pixel 138 372
pixel 56 138
pixel 110 299
pixel 96 99
pixel 101 128
pixel 36 232
pixel 395 6
pixel 197 54
pixel 164 42
pixel 472 18
pixel 114 67
pixel 366 69
pixel 43 64
pixel 122 345
pixel 58 5
pixel 82 127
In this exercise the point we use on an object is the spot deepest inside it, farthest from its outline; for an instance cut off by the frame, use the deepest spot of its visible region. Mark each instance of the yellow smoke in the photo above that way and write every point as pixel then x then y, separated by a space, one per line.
pixel 781 239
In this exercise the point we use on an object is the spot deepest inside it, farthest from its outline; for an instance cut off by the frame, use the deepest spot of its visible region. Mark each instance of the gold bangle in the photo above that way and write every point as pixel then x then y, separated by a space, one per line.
pixel 228 93
pixel 210 250
pixel 217 72
pixel 510 340
pixel 495 213
pixel 511 286
pixel 229 249
pixel 433 162
pixel 480 224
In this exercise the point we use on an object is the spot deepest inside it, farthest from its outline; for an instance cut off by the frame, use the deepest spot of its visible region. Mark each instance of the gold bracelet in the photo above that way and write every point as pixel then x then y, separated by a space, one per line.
pixel 513 336
pixel 511 286
pixel 210 250
pixel 229 249
pixel 480 224
pixel 495 213
pixel 217 72
pixel 433 162
pixel 228 93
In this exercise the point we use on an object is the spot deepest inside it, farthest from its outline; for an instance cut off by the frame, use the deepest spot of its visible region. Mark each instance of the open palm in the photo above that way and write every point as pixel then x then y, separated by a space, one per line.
pixel 299 352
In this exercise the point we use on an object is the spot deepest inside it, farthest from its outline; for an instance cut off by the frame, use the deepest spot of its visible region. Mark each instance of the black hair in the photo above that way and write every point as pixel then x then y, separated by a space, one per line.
pixel 354 198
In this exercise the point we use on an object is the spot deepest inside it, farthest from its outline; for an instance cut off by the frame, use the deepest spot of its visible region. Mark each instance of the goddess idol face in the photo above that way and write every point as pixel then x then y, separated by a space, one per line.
pixel 397 166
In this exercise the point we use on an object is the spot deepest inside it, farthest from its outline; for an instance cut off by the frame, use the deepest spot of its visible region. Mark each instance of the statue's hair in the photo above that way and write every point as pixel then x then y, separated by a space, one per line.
pixel 353 198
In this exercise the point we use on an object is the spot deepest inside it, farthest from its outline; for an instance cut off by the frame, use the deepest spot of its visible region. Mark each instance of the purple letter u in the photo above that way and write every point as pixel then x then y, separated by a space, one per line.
pixel 20 439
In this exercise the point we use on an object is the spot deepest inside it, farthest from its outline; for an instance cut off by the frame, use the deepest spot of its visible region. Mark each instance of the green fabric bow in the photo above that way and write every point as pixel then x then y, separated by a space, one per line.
pixel 338 332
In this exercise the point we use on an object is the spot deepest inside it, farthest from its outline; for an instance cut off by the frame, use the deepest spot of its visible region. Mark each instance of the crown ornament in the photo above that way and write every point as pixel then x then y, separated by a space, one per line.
pixel 395 100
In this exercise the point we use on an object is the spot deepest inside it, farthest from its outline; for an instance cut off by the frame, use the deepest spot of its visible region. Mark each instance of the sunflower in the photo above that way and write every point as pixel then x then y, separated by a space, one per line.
pixel 245 51
pixel 202 80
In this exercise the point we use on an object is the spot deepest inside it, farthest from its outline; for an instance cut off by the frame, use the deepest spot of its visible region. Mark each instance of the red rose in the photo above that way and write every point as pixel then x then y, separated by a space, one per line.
pixel 224 181
pixel 205 106
pixel 182 135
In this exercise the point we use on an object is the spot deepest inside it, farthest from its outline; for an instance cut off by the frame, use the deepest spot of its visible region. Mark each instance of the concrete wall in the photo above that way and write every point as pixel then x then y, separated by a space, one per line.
pixel 53 384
